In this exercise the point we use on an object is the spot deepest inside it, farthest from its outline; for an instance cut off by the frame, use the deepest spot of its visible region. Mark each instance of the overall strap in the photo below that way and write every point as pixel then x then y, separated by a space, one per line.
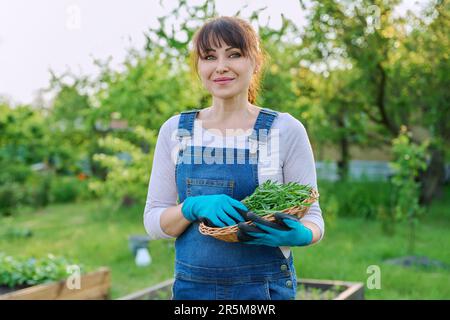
pixel 262 127
pixel 185 126
pixel 186 123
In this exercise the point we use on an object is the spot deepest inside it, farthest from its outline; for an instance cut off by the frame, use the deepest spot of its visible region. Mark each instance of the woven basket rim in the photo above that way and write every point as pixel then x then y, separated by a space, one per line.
pixel 229 232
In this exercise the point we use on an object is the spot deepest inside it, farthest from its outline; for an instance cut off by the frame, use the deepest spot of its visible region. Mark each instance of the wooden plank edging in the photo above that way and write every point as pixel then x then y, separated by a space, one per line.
pixel 139 294
pixel 354 290
pixel 94 285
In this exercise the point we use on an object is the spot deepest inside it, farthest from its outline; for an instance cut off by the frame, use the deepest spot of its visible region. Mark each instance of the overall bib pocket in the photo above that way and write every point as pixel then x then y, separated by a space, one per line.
pixel 200 187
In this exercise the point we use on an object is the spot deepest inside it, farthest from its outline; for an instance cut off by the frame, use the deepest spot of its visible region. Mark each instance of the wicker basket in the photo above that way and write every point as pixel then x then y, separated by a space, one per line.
pixel 229 234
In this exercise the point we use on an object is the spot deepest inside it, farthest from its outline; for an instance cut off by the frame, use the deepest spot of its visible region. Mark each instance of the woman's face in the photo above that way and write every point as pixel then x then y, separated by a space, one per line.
pixel 225 72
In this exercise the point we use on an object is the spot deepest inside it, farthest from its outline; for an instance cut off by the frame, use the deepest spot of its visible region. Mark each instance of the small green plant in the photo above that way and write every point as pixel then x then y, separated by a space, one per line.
pixel 409 159
pixel 163 295
pixel 313 293
pixel 334 291
pixel 32 271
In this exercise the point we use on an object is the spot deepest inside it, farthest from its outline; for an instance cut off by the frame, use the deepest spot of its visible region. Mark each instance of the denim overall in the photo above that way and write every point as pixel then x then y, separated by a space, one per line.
pixel 211 269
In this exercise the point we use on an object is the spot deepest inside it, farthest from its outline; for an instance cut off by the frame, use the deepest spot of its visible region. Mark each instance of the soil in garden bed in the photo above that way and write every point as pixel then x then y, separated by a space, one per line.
pixel 6 289
pixel 318 293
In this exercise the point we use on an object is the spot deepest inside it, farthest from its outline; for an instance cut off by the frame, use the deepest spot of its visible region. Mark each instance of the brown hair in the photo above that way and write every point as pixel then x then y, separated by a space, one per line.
pixel 236 33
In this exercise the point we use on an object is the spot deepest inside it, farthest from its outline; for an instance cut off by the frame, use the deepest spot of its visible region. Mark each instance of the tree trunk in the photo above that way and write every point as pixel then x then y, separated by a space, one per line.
pixel 343 163
pixel 432 179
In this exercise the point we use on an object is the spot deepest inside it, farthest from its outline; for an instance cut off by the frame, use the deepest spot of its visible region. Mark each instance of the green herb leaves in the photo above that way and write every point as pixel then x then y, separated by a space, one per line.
pixel 271 197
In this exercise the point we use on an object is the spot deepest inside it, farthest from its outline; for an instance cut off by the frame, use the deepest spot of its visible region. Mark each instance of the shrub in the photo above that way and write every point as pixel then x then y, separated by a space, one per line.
pixel 409 159
pixel 31 271
pixel 11 195
pixel 355 198
pixel 67 189
pixel 12 177
pixel 16 172
pixel 37 189
pixel 128 167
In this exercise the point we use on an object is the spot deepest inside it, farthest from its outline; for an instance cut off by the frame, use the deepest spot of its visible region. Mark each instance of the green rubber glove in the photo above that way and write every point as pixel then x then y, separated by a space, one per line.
pixel 287 230
pixel 218 210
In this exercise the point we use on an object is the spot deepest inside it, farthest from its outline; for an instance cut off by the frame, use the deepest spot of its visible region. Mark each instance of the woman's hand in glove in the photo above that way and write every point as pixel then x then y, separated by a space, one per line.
pixel 219 210
pixel 287 230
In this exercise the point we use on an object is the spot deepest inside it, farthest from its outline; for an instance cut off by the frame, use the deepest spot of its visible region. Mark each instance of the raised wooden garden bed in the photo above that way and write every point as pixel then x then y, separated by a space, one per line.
pixel 307 289
pixel 314 289
pixel 93 286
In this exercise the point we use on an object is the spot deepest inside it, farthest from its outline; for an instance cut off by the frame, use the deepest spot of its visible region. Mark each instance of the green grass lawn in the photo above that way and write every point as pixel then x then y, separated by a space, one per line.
pixel 94 235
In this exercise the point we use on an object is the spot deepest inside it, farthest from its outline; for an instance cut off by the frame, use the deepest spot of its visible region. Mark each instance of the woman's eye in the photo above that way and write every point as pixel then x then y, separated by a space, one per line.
pixel 210 57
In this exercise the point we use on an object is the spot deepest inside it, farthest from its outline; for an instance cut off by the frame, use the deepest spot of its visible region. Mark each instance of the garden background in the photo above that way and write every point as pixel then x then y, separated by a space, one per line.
pixel 371 88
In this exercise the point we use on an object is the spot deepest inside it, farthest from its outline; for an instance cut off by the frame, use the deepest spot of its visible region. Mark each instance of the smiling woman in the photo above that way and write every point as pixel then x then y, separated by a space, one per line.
pixel 190 189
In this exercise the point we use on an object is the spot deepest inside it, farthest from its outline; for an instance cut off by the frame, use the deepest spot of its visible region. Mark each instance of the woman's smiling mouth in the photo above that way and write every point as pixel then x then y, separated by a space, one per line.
pixel 224 80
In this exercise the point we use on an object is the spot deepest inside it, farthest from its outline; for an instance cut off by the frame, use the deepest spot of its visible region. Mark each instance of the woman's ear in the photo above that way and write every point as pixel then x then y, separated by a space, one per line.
pixel 255 65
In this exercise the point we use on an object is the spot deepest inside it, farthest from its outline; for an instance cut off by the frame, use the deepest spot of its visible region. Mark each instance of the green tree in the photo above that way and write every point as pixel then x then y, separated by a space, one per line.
pixel 71 124
pixel 24 137
pixel 428 69
pixel 146 92
pixel 127 167
pixel 375 44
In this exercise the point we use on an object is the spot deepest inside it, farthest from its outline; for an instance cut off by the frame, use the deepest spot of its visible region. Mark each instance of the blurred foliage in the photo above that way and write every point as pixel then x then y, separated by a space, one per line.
pixel 128 167
pixel 355 198
pixel 409 159
pixel 64 189
pixel 354 76
pixel 146 92
pixel 21 271
pixel 389 58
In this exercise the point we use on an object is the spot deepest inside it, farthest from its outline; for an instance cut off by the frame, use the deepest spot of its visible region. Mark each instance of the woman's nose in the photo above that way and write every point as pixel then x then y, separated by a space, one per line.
pixel 221 66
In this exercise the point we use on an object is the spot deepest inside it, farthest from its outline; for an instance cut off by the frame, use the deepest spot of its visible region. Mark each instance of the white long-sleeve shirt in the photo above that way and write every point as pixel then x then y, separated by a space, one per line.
pixel 289 157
